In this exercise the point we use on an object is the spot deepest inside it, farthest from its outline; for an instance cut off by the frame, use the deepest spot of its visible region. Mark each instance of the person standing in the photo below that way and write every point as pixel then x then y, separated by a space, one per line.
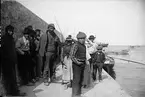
pixel 87 72
pixel 38 57
pixel 98 60
pixel 92 45
pixel 78 56
pixel 24 58
pixel 67 62
pixel 9 61
pixel 48 49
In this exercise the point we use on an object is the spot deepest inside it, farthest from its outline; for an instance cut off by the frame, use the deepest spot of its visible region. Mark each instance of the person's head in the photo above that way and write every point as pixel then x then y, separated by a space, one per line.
pixel 25 33
pixel 30 27
pixel 51 27
pixel 38 32
pixel 69 36
pixel 92 38
pixel 81 36
pixel 69 40
pixel 99 48
pixel 9 29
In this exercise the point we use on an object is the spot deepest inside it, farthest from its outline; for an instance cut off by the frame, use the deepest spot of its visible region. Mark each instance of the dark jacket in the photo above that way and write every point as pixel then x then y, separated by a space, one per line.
pixel 78 53
pixel 8 49
pixel 47 43
pixel 98 57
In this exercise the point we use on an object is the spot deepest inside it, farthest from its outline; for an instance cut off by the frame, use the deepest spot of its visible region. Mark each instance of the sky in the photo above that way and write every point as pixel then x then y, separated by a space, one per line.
pixel 117 22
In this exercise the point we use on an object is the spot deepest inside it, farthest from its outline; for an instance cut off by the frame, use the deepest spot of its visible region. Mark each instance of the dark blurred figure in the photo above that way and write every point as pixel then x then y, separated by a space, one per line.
pixel 0 54
pixel 9 61
pixel 38 57
pixel 33 53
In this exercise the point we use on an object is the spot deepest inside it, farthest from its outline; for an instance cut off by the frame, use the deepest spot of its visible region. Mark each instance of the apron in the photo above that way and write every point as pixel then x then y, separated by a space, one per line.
pixel 67 70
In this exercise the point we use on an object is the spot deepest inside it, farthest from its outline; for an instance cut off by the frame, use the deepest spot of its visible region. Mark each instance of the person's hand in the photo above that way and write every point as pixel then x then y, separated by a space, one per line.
pixel 79 63
pixel 22 53
pixel 87 62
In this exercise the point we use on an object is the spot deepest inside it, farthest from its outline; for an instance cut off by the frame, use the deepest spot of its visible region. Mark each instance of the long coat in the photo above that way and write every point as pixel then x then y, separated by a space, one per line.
pixel 87 72
pixel 9 60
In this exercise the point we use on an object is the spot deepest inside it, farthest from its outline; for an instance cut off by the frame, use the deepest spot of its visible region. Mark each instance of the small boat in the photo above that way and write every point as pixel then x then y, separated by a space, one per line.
pixel 124 52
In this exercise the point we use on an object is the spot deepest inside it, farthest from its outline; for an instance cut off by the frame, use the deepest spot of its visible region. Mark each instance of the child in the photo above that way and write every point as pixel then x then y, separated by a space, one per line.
pixel 98 60
pixel 67 62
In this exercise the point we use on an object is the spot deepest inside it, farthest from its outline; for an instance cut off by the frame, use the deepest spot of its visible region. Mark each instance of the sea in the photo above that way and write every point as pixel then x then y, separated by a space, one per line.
pixel 130 76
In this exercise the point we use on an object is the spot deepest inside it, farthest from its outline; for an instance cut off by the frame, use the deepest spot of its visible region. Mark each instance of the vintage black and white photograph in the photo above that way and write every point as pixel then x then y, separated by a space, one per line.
pixel 72 48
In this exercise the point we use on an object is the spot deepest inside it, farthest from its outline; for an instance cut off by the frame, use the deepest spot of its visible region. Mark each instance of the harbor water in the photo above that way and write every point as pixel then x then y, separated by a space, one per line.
pixel 131 76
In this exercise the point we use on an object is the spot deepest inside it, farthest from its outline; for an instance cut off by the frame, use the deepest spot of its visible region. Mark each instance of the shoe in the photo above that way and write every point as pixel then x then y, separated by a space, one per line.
pixel 33 81
pixel 65 87
pixel 46 83
pixel 84 86
pixel 16 94
pixel 21 94
pixel 83 95
pixel 100 80
pixel 96 82
pixel 37 79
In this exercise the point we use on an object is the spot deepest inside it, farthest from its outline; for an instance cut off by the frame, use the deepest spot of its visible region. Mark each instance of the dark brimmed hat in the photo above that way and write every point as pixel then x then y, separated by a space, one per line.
pixel 38 30
pixel 51 25
pixel 26 31
pixel 68 39
pixel 92 37
pixel 81 35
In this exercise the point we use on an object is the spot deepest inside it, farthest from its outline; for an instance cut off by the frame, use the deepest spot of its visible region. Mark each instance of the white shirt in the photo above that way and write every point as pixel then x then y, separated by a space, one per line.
pixel 92 47
pixel 25 40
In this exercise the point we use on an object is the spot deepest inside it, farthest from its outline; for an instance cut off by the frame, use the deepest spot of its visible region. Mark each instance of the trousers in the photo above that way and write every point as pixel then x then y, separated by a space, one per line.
pixel 97 67
pixel 78 75
pixel 48 68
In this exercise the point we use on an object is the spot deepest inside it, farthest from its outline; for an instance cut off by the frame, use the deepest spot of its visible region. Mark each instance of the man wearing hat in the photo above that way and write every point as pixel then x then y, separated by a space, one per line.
pixel 48 49
pixel 98 60
pixel 78 56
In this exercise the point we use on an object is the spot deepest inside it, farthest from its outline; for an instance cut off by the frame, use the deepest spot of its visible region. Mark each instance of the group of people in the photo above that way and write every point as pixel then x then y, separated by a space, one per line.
pixel 20 59
pixel 81 59
pixel 36 56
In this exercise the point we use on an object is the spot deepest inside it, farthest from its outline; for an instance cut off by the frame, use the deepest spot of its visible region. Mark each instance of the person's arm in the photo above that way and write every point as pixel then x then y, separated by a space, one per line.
pixel 37 45
pixel 104 58
pixel 62 53
pixel 18 45
pixel 42 44
pixel 93 57
pixel 73 53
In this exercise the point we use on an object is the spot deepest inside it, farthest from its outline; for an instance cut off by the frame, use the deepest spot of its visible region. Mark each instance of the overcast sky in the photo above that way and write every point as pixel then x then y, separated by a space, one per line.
pixel 119 22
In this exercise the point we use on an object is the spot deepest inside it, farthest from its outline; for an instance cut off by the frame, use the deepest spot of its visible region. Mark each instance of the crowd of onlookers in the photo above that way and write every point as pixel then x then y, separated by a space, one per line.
pixel 34 56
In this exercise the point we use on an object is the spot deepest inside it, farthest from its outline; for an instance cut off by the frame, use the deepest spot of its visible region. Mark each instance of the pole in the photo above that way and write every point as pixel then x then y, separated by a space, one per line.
pixel 57 24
